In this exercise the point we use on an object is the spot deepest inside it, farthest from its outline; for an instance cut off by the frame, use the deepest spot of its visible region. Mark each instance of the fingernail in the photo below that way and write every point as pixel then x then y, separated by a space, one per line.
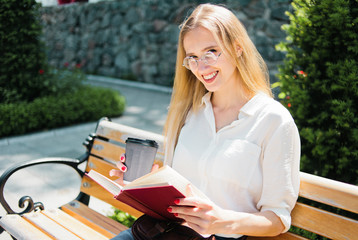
pixel 122 158
pixel 169 209
pixel 124 168
pixel 176 201
pixel 175 214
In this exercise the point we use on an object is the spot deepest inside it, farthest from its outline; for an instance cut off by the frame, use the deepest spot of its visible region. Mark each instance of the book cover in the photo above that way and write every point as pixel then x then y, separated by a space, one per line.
pixel 151 194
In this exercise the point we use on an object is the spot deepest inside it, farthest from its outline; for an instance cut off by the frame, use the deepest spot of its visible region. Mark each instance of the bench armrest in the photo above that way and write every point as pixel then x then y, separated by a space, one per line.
pixel 72 162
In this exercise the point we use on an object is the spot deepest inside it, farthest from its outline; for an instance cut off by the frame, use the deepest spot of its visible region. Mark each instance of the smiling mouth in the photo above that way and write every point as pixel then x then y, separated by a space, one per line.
pixel 210 77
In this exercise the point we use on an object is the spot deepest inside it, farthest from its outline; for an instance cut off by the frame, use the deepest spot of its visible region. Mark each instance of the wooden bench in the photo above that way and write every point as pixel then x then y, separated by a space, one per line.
pixel 76 220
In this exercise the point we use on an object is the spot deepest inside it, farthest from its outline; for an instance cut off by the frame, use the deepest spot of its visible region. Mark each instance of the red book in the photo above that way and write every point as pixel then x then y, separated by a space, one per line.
pixel 151 194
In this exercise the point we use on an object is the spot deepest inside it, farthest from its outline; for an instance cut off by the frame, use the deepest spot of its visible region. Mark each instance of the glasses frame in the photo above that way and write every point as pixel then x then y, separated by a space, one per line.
pixel 202 58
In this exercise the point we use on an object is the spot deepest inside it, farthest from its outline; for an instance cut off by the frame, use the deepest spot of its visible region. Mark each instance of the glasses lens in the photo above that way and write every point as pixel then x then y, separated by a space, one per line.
pixel 186 63
pixel 210 58
pixel 190 63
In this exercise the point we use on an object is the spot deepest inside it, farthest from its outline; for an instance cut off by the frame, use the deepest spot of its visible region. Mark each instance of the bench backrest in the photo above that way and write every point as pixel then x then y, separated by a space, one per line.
pixel 107 147
pixel 109 144
pixel 326 223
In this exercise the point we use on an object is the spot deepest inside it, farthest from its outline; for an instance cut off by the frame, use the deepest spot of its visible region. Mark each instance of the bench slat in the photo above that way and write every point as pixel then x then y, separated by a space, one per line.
pixel 49 226
pixel 91 188
pixel 73 225
pixel 112 152
pixel 100 166
pixel 120 133
pixel 284 236
pixel 98 192
pixel 330 192
pixel 21 229
pixel 324 223
pixel 107 150
pixel 98 222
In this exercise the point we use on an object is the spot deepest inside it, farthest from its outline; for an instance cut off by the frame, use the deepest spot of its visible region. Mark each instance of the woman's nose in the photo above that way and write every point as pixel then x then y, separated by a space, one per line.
pixel 202 66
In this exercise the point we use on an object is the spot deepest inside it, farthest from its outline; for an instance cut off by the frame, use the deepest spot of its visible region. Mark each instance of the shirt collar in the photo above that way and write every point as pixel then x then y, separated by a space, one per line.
pixel 250 108
pixel 206 99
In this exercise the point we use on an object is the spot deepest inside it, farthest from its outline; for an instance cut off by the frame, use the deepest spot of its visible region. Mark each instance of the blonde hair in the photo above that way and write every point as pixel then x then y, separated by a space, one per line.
pixel 229 33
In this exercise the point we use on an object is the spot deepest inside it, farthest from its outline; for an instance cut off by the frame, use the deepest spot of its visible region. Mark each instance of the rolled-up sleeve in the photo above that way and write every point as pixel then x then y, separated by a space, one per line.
pixel 280 168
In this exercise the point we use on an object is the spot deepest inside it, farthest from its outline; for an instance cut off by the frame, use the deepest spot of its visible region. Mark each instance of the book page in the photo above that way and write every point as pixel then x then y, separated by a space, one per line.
pixel 148 185
pixel 105 182
pixel 166 176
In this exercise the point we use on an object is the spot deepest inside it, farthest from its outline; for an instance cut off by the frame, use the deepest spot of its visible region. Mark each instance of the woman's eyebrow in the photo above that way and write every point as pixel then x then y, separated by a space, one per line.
pixel 203 50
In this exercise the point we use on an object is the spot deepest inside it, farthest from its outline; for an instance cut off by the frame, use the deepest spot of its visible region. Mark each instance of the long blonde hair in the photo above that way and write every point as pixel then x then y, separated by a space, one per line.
pixel 228 32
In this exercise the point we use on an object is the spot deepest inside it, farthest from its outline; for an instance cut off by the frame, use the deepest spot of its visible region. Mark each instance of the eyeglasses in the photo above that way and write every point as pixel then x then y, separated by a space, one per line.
pixel 209 58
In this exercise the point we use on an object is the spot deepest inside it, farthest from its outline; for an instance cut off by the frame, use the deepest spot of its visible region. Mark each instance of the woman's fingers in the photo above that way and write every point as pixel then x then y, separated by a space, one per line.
pixel 122 158
pixel 196 202
pixel 155 167
pixel 189 191
pixel 117 173
pixel 121 166
pixel 121 169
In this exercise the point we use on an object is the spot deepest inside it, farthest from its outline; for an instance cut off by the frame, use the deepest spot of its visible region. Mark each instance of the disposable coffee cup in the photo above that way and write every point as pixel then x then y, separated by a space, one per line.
pixel 140 155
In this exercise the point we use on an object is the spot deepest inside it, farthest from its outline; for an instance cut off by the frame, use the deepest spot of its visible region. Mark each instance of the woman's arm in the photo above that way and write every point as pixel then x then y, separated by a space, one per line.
pixel 207 218
pixel 280 168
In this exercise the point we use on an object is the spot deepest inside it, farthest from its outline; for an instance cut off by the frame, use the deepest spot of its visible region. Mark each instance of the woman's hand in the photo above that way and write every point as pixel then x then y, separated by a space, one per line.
pixel 122 169
pixel 200 214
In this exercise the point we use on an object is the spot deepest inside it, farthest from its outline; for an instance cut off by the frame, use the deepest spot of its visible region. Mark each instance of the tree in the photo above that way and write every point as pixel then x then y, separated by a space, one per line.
pixel 22 54
pixel 320 80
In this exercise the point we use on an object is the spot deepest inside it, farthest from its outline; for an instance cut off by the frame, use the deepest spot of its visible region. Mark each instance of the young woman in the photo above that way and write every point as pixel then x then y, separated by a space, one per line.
pixel 227 135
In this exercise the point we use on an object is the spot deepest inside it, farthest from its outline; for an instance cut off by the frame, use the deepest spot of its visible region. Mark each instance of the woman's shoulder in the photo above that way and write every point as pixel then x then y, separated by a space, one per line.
pixel 271 108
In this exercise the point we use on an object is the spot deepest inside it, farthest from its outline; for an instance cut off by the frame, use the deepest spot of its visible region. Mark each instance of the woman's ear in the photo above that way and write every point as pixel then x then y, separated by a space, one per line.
pixel 239 50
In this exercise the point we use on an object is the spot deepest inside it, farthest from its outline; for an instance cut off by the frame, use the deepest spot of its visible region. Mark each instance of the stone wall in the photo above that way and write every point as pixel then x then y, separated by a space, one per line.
pixel 136 39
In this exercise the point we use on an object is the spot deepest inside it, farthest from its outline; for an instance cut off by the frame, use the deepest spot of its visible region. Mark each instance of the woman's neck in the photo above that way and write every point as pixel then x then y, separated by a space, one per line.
pixel 233 97
pixel 227 105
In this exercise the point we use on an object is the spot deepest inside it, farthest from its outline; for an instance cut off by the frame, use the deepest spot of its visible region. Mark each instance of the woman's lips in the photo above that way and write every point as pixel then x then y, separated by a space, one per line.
pixel 210 77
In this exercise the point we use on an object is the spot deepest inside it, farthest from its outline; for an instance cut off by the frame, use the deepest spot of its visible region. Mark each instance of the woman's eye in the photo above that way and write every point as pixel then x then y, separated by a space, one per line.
pixel 212 50
pixel 191 57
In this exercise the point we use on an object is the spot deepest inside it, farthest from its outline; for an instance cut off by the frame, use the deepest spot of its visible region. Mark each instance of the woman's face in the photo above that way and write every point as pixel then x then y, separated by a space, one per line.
pixel 220 76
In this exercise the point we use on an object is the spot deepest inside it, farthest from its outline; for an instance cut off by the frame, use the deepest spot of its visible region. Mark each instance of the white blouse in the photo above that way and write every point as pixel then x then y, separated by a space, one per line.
pixel 248 166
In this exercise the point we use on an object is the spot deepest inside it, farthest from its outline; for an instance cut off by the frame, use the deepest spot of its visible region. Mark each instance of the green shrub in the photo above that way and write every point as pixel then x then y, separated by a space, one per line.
pixel 306 234
pixel 320 79
pixel 122 217
pixel 22 59
pixel 86 104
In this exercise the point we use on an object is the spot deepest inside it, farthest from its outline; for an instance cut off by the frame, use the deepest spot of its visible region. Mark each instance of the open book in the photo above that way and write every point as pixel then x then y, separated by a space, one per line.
pixel 151 194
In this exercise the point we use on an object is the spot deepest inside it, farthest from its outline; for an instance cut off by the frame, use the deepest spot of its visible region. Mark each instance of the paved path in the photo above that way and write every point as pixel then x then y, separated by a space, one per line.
pixel 146 108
